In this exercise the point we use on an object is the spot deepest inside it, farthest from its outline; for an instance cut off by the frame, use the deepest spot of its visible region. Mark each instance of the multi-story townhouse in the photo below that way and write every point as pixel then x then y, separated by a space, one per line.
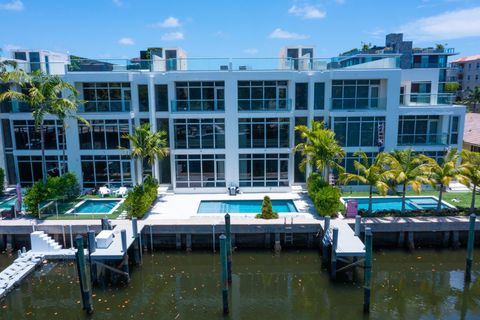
pixel 230 122
pixel 466 71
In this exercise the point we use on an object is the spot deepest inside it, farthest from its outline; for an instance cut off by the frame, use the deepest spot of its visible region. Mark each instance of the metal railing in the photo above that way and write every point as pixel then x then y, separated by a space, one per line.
pixel 262 105
pixel 105 106
pixel 200 105
pixel 358 103
pixel 422 139
pixel 426 99
pixel 428 65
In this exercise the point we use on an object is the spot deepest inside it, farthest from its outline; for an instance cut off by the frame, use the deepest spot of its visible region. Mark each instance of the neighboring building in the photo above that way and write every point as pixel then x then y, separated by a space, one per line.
pixel 471 133
pixel 465 71
pixel 231 121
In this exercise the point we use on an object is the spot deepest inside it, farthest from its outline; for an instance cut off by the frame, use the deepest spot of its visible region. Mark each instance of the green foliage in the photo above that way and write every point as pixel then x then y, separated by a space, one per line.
pixel 267 210
pixel 2 180
pixel 141 198
pixel 327 201
pixel 452 86
pixel 65 187
pixel 315 181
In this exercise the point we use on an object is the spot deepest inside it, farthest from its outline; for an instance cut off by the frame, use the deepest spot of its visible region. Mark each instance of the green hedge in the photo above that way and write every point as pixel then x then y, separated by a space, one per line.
pixel 325 197
pixel 65 187
pixel 141 198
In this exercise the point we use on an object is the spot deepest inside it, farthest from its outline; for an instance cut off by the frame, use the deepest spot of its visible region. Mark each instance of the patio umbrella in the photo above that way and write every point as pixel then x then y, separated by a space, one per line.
pixel 18 203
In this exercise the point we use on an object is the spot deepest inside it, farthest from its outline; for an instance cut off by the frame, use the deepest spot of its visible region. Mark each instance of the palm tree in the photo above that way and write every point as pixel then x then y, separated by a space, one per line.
pixel 442 175
pixel 473 98
pixel 375 175
pixel 319 149
pixel 43 93
pixel 409 169
pixel 470 173
pixel 147 146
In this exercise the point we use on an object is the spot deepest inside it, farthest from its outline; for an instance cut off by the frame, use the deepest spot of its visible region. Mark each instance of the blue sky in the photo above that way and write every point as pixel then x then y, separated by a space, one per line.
pixel 246 28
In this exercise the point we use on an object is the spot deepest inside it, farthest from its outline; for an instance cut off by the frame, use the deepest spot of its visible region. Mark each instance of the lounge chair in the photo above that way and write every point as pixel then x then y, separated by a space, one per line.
pixel 104 191
pixel 121 192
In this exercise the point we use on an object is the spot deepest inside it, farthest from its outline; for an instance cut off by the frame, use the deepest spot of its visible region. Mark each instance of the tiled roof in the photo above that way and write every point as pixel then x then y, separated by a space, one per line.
pixel 466 59
pixel 471 134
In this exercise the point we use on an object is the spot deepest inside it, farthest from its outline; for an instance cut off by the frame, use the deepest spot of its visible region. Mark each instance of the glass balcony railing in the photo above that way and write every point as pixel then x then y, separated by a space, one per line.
pixel 105 106
pixel 426 99
pixel 201 105
pixel 429 65
pixel 264 105
pixel 358 103
pixel 422 139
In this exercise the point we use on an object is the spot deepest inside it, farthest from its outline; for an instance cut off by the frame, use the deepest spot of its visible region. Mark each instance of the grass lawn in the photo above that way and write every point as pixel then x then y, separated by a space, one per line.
pixel 464 197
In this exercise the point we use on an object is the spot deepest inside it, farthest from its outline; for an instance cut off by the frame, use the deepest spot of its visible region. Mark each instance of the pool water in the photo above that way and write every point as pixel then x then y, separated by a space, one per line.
pixel 395 203
pixel 96 206
pixel 8 203
pixel 243 206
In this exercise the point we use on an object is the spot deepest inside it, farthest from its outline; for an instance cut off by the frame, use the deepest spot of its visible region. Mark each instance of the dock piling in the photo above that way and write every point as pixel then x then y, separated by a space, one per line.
pixel 367 270
pixel 151 240
pixel 123 234
pixel 137 248
pixel 470 245
pixel 358 222
pixel 91 249
pixel 333 260
pixel 224 272
pixel 82 276
pixel 325 241
pixel 228 231
pixel 71 236
pixel 213 238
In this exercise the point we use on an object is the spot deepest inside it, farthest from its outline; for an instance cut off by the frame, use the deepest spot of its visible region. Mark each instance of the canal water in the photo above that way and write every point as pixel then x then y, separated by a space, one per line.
pixel 173 285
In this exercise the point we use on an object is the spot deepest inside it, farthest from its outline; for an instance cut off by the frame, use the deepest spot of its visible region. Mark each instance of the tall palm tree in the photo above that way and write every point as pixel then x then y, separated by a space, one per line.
pixel 473 98
pixel 147 146
pixel 43 93
pixel 409 169
pixel 442 175
pixel 319 149
pixel 470 173
pixel 374 175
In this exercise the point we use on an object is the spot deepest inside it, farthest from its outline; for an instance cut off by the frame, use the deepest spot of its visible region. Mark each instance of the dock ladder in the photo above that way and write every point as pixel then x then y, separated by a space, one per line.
pixel 288 231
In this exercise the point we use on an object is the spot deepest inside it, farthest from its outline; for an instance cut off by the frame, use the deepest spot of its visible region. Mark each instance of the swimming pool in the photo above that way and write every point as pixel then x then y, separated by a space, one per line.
pixel 7 204
pixel 244 206
pixel 95 206
pixel 395 203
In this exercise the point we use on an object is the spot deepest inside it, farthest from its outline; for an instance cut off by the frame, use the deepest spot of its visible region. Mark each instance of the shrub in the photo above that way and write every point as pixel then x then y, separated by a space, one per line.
pixel 267 210
pixel 141 198
pixel 327 201
pixel 2 180
pixel 315 182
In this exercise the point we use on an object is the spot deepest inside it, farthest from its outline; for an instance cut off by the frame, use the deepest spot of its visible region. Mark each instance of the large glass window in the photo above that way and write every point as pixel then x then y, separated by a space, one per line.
pixel 299 175
pixel 199 96
pixel 357 131
pixel 263 170
pixel 103 134
pixel 263 96
pixel 301 96
pixel 414 130
pixel 30 168
pixel 263 132
pixel 319 96
pixel 357 94
pixel 143 97
pixel 454 129
pixel 106 96
pixel 199 133
pixel 200 170
pixel 27 137
pixel 161 97
pixel 112 170
pixel 420 92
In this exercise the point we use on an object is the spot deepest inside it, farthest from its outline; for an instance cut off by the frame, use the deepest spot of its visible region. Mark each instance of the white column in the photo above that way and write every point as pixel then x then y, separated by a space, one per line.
pixel 153 120
pixel 231 132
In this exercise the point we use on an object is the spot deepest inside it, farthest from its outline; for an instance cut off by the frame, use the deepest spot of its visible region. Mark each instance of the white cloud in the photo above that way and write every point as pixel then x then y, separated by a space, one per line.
pixel 250 51
pixel 307 12
pixel 170 22
pixel 126 41
pixel 376 33
pixel 14 5
pixel 282 34
pixel 171 36
pixel 448 25
pixel 118 3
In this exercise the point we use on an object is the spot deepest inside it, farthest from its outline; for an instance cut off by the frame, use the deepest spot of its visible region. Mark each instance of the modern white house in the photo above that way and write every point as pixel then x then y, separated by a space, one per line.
pixel 230 122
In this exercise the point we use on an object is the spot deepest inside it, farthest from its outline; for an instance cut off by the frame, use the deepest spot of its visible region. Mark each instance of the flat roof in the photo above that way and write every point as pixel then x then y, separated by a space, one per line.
pixel 471 133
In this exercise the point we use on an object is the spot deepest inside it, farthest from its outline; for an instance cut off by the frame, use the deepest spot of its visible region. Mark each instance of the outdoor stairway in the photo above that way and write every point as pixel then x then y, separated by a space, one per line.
pixel 42 242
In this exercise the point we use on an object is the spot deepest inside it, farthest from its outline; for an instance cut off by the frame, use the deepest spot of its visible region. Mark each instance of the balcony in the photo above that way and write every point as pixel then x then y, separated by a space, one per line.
pixel 358 103
pixel 105 106
pixel 428 65
pixel 422 139
pixel 264 105
pixel 14 107
pixel 200 105
pixel 426 99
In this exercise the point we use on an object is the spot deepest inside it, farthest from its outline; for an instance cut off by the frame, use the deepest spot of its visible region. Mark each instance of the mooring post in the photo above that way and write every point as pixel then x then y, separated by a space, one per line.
pixel 82 276
pixel 470 245
pixel 325 241
pixel 333 262
pixel 367 270
pixel 224 272
pixel 123 234
pixel 151 240
pixel 229 247
pixel 91 249
pixel 71 237
pixel 137 254
pixel 105 224
pixel 213 238
pixel 358 222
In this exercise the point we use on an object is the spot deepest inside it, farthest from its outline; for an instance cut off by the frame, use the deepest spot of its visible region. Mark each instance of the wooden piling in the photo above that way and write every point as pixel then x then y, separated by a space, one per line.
pixel 123 234
pixel 82 276
pixel 228 232
pixel 137 248
pixel 325 241
pixel 224 272
pixel 367 270
pixel 151 240
pixel 333 259
pixel 470 245
pixel 358 222
pixel 91 249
